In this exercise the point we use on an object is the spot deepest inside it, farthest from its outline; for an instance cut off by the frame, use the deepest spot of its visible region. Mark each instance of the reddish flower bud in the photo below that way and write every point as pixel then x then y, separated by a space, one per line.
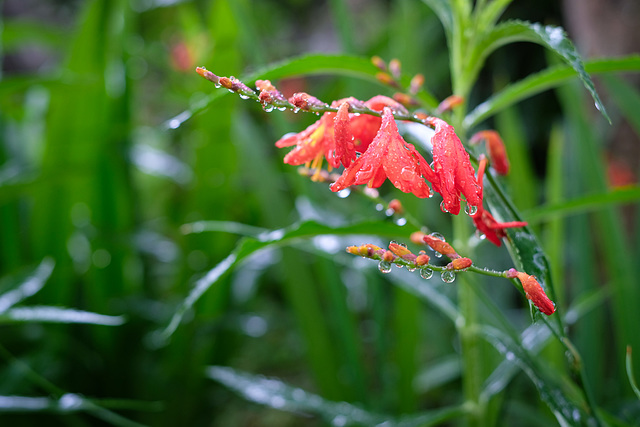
pixel 304 101
pixel 495 148
pixel 396 206
pixel 399 250
pixel 459 264
pixel 226 82
pixel 440 246
pixel 536 294
pixel 388 256
pixel 416 83
pixel 386 79
pixel 379 63
pixel 208 75
pixel 422 259
pixel 417 237
pixel 404 99
pixel 265 85
pixel 449 103
pixel 395 67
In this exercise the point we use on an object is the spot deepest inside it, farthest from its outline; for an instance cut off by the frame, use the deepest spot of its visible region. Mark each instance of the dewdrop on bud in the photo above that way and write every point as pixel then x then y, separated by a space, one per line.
pixel 426 273
pixel 384 267
pixel 448 276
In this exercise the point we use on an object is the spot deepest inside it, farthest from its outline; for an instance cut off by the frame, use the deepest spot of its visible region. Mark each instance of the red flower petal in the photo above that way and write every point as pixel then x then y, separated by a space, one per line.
pixel 453 168
pixel 345 149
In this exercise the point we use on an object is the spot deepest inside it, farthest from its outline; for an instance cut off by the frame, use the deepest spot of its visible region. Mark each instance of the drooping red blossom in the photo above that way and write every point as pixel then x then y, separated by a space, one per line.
pixel 389 156
pixel 452 167
pixel 533 290
pixel 495 148
pixel 319 141
pixel 485 222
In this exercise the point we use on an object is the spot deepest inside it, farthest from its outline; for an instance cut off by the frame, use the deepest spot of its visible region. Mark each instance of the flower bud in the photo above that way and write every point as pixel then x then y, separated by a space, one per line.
pixel 459 264
pixel 388 256
pixel 399 250
pixel 395 67
pixel 416 83
pixel 422 259
pixel 449 103
pixel 379 63
pixel 208 75
pixel 396 206
pixel 417 237
pixel 536 294
pixel 440 246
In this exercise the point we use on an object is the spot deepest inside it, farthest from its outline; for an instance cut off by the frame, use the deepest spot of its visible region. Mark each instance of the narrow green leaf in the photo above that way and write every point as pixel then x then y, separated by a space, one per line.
pixel 627 97
pixel 58 315
pixel 551 37
pixel 14 291
pixel 278 395
pixel 489 14
pixel 565 409
pixel 632 378
pixel 442 9
pixel 250 245
pixel 544 80
pixel 581 205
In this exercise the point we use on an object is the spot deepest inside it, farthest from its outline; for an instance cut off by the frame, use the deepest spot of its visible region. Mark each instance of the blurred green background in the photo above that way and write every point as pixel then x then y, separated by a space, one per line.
pixel 100 168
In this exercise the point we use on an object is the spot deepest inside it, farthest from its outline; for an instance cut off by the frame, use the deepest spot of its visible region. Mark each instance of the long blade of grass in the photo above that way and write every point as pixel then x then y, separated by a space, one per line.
pixel 278 395
pixel 46 314
pixel 630 376
pixel 17 290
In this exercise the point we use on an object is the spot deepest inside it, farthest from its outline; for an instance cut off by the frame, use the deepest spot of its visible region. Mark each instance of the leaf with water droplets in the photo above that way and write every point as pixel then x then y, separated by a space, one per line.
pixel 551 37
pixel 279 395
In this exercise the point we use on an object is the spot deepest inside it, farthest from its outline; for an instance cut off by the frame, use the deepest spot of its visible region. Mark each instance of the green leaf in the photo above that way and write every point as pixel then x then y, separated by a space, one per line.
pixel 13 290
pixel 278 395
pixel 581 205
pixel 632 379
pixel 565 409
pixel 250 245
pixel 544 80
pixel 551 37
pixel 627 97
pixel 68 403
pixel 58 315
pixel 442 9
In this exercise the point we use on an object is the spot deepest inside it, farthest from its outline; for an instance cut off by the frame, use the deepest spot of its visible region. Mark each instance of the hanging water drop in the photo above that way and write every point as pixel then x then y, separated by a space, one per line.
pixel 437 235
pixel 426 273
pixel 268 108
pixel 480 235
pixel 437 254
pixel 295 110
pixel 217 85
pixel 470 209
pixel 344 193
pixel 243 96
pixel 448 276
pixel 282 108
pixel 384 267
pixel 411 269
pixel 443 207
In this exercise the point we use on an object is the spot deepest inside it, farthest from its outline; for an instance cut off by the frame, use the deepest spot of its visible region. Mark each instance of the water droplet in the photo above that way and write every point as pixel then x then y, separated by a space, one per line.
pixel 437 254
pixel 393 242
pixel 231 90
pixel 399 265
pixel 480 235
pixel 411 269
pixel 217 85
pixel 268 108
pixel 443 208
pixel 384 267
pixel 344 193
pixel 426 273
pixel 597 106
pixel 295 110
pixel 282 108
pixel 379 207
pixel 470 209
pixel 389 212
pixel 448 276
pixel 243 96
pixel 401 221
pixel 437 235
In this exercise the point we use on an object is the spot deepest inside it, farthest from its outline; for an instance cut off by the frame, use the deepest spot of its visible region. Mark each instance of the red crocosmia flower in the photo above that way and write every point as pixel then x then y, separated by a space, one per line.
pixel 536 294
pixel 312 145
pixel 495 148
pixel 485 222
pixel 389 156
pixel 451 165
